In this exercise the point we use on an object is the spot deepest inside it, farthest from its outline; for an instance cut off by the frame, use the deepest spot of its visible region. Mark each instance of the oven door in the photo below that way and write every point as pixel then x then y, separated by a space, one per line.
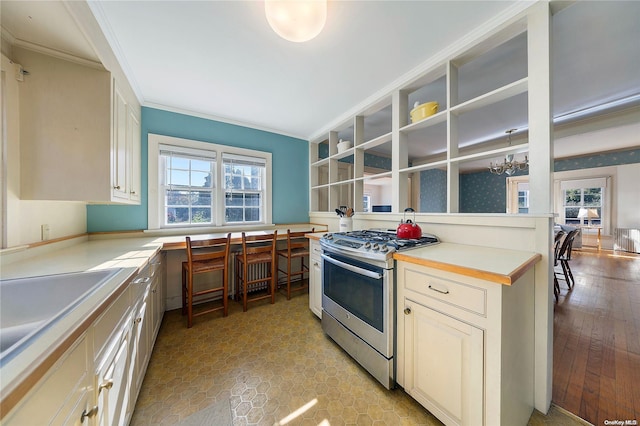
pixel 360 296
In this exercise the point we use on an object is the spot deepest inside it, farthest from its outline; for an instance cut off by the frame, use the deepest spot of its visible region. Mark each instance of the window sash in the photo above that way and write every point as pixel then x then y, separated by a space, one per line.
pixel 244 180
pixel 181 196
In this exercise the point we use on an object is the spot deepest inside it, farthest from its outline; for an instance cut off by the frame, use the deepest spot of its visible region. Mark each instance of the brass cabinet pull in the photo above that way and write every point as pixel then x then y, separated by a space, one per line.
pixel 89 413
pixel 106 385
pixel 438 290
pixel 407 311
pixel 117 187
pixel 137 320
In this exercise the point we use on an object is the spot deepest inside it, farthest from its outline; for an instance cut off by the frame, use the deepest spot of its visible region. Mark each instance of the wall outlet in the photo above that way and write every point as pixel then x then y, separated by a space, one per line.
pixel 44 232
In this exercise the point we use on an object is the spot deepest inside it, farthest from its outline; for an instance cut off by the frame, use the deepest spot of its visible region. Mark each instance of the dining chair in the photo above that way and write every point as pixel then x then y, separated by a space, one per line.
pixel 257 250
pixel 297 248
pixel 205 256
pixel 564 256
pixel 557 241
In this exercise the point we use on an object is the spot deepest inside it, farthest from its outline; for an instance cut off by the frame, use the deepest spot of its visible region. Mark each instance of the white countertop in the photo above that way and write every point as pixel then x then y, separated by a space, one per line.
pixel 491 264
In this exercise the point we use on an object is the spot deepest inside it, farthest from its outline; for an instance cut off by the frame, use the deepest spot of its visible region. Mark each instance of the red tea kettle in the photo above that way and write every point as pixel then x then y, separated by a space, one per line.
pixel 408 229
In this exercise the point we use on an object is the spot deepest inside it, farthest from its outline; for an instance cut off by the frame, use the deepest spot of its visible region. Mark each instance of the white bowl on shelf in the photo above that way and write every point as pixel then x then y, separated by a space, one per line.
pixel 343 146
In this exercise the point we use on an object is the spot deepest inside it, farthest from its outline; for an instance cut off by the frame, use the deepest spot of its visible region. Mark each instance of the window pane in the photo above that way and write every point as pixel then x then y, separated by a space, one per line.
pixel 201 198
pixel 252 199
pixel 201 165
pixel 592 197
pixel 254 183
pixel 201 179
pixel 178 215
pixel 177 198
pixel 233 214
pixel 178 177
pixel 179 163
pixel 572 197
pixel 232 199
pixel 252 215
pixel 201 215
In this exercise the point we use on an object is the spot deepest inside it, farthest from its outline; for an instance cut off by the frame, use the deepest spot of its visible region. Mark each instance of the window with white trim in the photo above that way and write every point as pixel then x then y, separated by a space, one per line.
pixel 199 184
pixel 188 184
pixel 243 188
pixel 584 195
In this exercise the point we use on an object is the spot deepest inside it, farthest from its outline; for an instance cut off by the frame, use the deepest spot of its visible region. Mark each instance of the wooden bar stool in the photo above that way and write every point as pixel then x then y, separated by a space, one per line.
pixel 297 248
pixel 205 256
pixel 261 250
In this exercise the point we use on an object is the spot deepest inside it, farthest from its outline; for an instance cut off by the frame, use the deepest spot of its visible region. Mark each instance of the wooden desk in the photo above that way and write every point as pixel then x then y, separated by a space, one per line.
pixel 599 228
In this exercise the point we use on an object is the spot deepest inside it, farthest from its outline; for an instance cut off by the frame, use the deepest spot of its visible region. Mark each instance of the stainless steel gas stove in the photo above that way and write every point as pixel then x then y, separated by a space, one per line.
pixel 358 295
pixel 377 245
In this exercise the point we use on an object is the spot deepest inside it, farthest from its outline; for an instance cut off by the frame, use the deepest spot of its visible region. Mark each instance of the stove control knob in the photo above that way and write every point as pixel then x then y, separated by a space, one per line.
pixel 329 236
pixel 375 246
pixel 384 248
pixel 367 245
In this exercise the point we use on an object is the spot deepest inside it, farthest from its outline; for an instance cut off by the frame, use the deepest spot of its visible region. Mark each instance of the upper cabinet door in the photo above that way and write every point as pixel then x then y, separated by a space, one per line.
pixel 120 185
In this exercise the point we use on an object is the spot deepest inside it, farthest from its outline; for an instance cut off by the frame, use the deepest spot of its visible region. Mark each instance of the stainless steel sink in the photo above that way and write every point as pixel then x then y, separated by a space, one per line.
pixel 28 306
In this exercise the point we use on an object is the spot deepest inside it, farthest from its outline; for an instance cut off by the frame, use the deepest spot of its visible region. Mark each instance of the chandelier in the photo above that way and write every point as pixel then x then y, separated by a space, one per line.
pixel 509 165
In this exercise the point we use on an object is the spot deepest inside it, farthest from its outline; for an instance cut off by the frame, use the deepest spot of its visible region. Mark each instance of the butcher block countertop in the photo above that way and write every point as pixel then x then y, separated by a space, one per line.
pixel 491 264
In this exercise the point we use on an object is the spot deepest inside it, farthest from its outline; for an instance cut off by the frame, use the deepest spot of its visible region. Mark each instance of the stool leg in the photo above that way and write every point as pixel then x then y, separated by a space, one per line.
pixel 243 280
pixel 189 300
pixel 274 274
pixel 184 291
pixel 225 291
pixel 288 277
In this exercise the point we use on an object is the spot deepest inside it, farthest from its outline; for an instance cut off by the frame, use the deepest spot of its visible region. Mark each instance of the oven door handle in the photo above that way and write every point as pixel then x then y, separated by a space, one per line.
pixel 355 269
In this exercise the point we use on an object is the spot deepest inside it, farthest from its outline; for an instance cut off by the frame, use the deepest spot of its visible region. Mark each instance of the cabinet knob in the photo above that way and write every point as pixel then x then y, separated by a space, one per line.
pixel 89 413
pixel 133 192
pixel 407 311
pixel 106 385
pixel 117 187
pixel 137 320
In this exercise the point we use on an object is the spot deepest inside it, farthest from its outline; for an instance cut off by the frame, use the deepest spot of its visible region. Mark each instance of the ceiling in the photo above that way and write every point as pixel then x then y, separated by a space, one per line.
pixel 221 60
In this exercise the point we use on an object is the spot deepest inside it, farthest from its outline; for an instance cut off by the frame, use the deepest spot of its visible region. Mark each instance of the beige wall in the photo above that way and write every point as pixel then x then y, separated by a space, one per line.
pixel 22 220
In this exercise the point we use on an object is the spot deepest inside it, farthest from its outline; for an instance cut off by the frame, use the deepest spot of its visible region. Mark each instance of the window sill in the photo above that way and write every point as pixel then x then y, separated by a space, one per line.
pixel 208 229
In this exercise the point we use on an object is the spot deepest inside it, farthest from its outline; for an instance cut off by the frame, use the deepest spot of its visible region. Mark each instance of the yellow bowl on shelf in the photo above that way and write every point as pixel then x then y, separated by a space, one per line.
pixel 420 112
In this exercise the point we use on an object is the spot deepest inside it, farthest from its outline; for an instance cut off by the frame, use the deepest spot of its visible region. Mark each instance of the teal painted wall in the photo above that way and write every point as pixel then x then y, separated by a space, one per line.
pixel 290 168
pixel 484 192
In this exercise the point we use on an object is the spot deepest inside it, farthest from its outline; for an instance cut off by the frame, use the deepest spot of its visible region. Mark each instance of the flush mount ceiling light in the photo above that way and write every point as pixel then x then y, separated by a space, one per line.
pixel 509 165
pixel 296 20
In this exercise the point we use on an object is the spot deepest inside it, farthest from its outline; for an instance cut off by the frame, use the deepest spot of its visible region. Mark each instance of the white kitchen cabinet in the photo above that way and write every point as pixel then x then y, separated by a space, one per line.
pixel 63 395
pixel 465 345
pixel 98 379
pixel 157 298
pixel 111 386
pixel 315 277
pixel 79 133
pixel 443 364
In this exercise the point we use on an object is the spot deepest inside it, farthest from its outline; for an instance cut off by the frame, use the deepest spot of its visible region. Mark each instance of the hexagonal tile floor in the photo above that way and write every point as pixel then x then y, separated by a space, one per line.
pixel 273 364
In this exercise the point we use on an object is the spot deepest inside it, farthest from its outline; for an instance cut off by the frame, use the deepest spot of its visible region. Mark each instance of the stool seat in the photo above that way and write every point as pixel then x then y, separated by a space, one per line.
pixel 205 256
pixel 256 250
pixel 297 248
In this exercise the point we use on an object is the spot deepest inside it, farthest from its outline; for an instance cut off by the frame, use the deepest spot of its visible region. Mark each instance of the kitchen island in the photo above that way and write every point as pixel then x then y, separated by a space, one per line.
pixel 465 332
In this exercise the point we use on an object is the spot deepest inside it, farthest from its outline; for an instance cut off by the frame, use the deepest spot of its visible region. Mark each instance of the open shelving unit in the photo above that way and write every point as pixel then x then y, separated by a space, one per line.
pixel 470 89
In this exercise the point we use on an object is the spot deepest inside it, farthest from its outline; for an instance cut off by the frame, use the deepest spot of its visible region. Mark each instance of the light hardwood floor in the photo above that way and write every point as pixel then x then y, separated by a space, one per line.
pixel 596 351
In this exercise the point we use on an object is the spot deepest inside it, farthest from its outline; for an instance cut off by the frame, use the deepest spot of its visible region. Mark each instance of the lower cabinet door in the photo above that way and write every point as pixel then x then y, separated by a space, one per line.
pixel 444 365
pixel 113 389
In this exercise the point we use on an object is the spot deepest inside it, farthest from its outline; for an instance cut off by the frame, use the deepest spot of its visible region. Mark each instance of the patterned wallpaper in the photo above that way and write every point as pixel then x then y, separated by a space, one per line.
pixel 370 160
pixel 631 156
pixel 484 192
pixel 433 191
